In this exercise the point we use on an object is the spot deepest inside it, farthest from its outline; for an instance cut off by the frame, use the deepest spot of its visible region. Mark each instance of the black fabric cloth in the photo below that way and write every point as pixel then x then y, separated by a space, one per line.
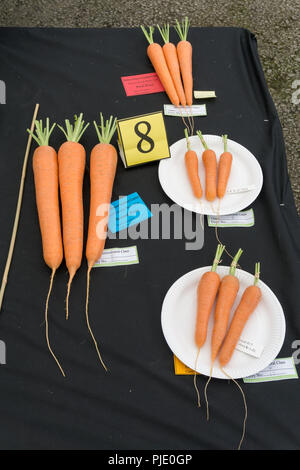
pixel 140 403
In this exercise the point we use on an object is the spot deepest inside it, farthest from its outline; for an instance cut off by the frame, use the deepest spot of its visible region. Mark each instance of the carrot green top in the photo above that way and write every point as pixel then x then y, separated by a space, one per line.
pixel 42 134
pixel 224 137
pixel 149 35
pixel 257 273
pixel 187 139
pixel 183 28
pixel 234 262
pixel 220 249
pixel 107 130
pixel 199 133
pixel 165 32
pixel 74 133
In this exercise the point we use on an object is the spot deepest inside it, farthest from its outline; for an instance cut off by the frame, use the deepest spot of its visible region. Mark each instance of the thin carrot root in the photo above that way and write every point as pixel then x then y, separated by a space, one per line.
pixel 205 391
pixel 47 326
pixel 68 295
pixel 87 317
pixel 245 406
pixel 195 379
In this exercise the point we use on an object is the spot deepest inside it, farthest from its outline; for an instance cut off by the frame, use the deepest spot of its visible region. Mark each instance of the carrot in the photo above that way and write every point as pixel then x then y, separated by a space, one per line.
pixel 157 58
pixel 227 294
pixel 184 52
pixel 191 163
pixel 45 169
pixel 248 303
pixel 210 163
pixel 71 165
pixel 224 169
pixel 206 293
pixel 170 53
pixel 103 165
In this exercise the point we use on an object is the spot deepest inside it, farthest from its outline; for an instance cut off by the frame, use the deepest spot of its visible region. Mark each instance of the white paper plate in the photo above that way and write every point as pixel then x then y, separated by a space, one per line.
pixel 266 325
pixel 245 171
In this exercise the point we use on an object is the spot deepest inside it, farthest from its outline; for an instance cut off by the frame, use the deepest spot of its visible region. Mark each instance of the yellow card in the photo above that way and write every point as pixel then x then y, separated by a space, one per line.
pixel 143 139
pixel 182 369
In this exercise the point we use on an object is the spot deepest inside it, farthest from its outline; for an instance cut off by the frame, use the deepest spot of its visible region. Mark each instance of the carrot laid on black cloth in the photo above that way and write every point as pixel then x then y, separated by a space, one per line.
pixel 185 52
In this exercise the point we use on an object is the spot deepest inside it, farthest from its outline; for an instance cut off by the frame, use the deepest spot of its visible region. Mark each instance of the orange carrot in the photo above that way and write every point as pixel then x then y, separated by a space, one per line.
pixel 227 294
pixel 184 52
pixel 206 294
pixel 248 303
pixel 45 169
pixel 103 165
pixel 71 165
pixel 170 53
pixel 191 164
pixel 210 163
pixel 157 58
pixel 224 169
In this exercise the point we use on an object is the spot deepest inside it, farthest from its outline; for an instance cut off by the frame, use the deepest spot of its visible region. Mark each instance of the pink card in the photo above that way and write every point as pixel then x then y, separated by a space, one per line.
pixel 142 84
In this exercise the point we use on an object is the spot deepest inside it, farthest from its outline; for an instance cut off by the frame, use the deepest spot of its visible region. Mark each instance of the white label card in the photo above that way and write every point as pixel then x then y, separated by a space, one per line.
pixel 239 219
pixel 279 369
pixel 194 110
pixel 118 257
pixel 249 346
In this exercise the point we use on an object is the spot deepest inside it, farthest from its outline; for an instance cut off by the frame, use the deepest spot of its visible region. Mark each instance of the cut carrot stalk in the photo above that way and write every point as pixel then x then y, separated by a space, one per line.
pixel 192 164
pixel 71 165
pixel 185 52
pixel 103 165
pixel 170 53
pixel 157 58
pixel 210 163
pixel 225 163
pixel 45 169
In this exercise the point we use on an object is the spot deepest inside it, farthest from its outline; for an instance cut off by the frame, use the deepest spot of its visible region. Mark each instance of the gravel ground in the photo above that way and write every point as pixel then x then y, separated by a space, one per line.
pixel 274 22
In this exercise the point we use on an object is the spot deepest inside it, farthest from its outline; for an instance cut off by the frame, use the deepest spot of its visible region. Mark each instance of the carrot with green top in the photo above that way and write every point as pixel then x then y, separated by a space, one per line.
pixel 71 166
pixel 170 53
pixel 210 163
pixel 192 167
pixel 103 165
pixel 185 52
pixel 225 163
pixel 157 58
pixel 45 169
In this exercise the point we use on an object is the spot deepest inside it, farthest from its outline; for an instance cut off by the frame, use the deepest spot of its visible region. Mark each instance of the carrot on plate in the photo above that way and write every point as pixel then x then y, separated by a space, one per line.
pixel 170 53
pixel 248 303
pixel 71 166
pixel 185 52
pixel 210 163
pixel 206 294
pixel 227 294
pixel 157 58
pixel 225 163
pixel 192 164
pixel 45 169
pixel 103 165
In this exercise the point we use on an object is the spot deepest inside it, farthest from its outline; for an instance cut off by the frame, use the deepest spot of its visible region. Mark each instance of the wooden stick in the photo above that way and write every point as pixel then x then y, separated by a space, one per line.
pixel 18 210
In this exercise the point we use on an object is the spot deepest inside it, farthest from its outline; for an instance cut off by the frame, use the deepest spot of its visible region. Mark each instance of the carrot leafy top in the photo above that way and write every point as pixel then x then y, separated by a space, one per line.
pixel 107 130
pixel 42 134
pixel 183 28
pixel 165 32
pixel 234 263
pixel 148 34
pixel 74 132
pixel 217 260
pixel 257 273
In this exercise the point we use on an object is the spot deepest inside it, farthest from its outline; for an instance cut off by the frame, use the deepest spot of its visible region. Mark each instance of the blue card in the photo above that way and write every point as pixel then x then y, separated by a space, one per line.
pixel 127 211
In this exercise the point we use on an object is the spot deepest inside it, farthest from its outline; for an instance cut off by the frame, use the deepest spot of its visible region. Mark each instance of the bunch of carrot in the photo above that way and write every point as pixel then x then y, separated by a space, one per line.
pixel 223 291
pixel 173 64
pixel 65 172
pixel 216 176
